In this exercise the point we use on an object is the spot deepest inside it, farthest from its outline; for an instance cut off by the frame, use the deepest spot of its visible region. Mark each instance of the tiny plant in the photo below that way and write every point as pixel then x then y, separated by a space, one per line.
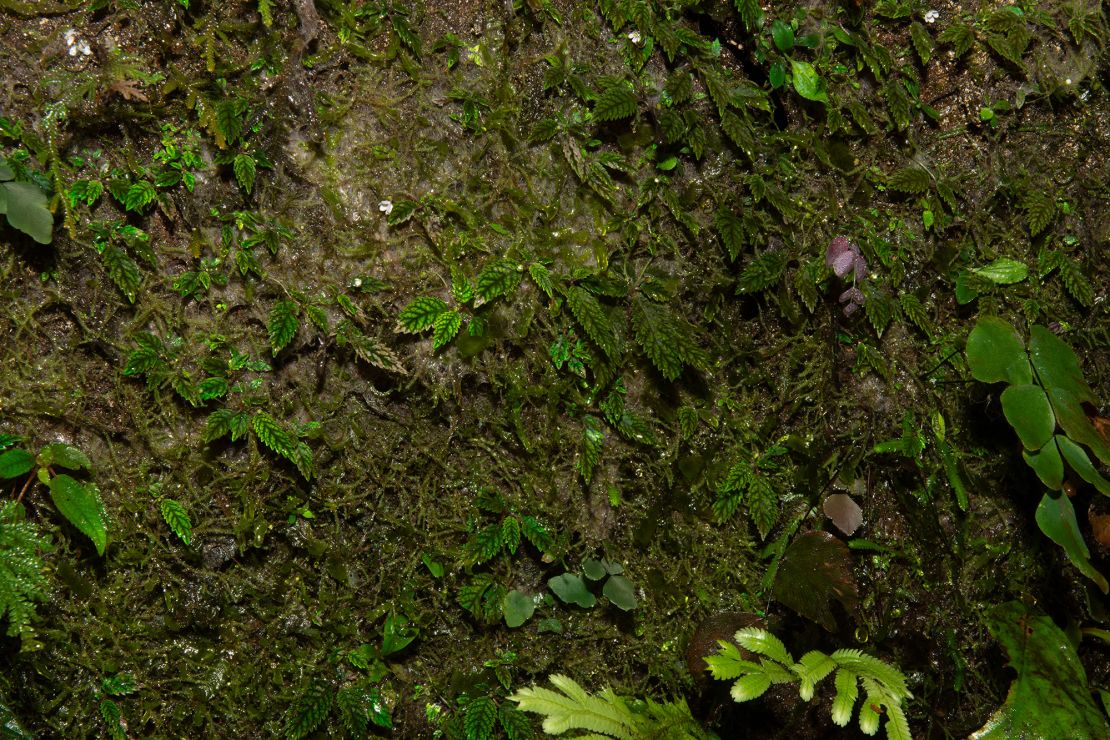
pixel 884 686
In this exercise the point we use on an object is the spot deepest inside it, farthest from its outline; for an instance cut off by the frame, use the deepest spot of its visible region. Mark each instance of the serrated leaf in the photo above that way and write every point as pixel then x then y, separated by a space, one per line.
pixel 402 211
pixel 1076 283
pixel 479 718
pixel 616 102
pixel 911 180
pixel 847 691
pixel 915 312
pixel 177 518
pixel 361 705
pixel 1040 209
pixel 139 195
pixel 496 279
pixel 731 230
pixel 880 309
pixel 309 712
pixel 420 314
pixel 667 340
pixel 515 723
pixel 446 327
pixel 244 167
pixel 751 686
pixel 537 534
pixel 679 87
pixel 510 533
pixel 80 504
pixel 283 324
pixel 542 278
pixel 123 271
pixel 763 505
pixel 959 36
pixel 274 435
pixel 590 315
pixel 762 272
pixel 922 42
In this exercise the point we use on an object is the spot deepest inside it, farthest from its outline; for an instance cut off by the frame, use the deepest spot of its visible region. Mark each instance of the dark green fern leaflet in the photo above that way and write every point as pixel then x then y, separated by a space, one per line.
pixel 22 582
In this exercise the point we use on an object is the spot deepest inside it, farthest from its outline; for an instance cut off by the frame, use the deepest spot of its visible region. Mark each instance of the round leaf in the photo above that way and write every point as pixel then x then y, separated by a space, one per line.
pixel 807 82
pixel 621 592
pixel 572 590
pixel 995 353
pixel 14 463
pixel 517 607
pixel 1027 409
pixel 593 569
pixel 80 504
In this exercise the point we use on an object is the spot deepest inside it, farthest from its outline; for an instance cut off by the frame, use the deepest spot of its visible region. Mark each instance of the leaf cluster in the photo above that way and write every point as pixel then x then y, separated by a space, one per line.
pixel 884 686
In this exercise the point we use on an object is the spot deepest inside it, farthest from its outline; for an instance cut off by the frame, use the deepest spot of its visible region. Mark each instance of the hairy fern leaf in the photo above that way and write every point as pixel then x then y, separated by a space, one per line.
pixel 592 441
pixel 762 272
pixel 763 505
pixel 1040 209
pixel 245 166
pixel 22 580
pixel 912 180
pixel 762 642
pixel 871 667
pixel 731 230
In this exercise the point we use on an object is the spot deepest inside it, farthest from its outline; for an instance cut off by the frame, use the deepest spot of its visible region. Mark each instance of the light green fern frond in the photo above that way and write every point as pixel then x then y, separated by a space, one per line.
pixel 576 709
pixel 870 667
pixel 764 643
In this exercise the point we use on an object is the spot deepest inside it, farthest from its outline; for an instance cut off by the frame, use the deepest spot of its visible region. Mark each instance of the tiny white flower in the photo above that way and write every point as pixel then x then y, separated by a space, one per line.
pixel 635 37
pixel 386 207
pixel 84 48
pixel 356 283
pixel 931 16
pixel 73 51
pixel 1067 81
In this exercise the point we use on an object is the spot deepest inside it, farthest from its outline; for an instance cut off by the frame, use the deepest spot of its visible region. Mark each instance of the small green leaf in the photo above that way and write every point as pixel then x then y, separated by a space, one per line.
pixel 496 279
pixel 751 686
pixel 571 589
pixel 283 324
pixel 1004 271
pixel 446 327
pixel 397 633
pixel 807 82
pixel 518 608
pixel 80 504
pixel 420 314
pixel 783 36
pixel 590 314
pixel 16 462
pixel 177 518
pixel 244 166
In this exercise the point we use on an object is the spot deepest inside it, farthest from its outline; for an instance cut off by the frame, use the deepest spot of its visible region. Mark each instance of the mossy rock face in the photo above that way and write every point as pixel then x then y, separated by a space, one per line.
pixel 622 219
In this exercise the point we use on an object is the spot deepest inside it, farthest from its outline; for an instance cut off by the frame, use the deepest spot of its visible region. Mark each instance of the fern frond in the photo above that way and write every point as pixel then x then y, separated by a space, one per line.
pixel 575 709
pixel 762 272
pixel 667 340
pixel 911 180
pixel 762 642
pixel 751 686
pixel 123 271
pixel 1040 209
pixel 867 666
pixel 811 670
pixel 592 440
pixel 731 231
pixel 847 691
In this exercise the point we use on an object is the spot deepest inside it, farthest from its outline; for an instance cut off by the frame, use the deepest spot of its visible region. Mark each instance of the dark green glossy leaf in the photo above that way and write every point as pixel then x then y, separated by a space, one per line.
pixel 1047 464
pixel 1050 696
pixel 807 82
pixel 571 589
pixel 996 353
pixel 620 591
pixel 80 504
pixel 1079 461
pixel 1027 409
pixel 14 463
pixel 517 607
pixel 1056 518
